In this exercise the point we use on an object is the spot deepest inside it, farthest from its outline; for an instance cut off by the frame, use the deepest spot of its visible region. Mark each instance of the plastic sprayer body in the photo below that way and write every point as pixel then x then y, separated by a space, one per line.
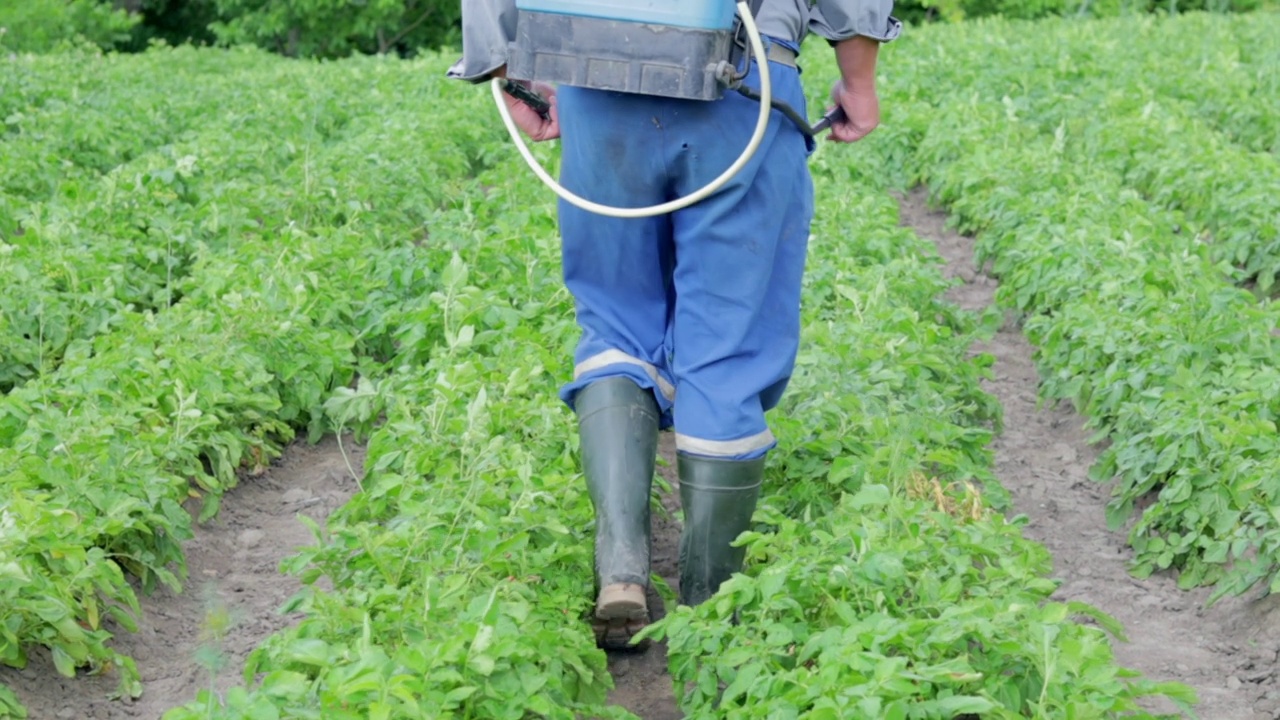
pixel 671 48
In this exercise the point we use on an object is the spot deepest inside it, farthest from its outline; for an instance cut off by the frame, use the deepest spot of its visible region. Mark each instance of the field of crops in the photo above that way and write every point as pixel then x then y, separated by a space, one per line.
pixel 1126 196
pixel 211 254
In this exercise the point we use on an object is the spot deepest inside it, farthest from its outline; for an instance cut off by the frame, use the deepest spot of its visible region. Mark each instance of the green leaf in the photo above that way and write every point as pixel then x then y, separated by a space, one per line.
pixel 481 664
pixel 960 704
pixel 308 651
pixel 286 684
pixel 870 496
pixel 63 662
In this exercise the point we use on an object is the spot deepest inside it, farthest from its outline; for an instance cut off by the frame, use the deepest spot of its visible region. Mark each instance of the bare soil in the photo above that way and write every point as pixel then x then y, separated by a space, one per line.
pixel 234 576
pixel 1227 653
pixel 641 681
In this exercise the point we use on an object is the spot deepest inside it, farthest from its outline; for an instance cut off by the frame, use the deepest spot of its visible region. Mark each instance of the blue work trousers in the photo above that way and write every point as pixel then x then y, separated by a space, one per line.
pixel 702 306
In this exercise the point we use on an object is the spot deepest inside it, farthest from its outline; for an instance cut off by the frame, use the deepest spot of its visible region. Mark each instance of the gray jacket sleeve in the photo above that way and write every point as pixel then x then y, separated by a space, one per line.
pixel 488 26
pixel 842 19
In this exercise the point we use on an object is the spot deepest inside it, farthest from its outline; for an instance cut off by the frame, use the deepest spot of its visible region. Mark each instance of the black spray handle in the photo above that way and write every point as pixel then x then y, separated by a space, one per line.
pixel 528 97
pixel 834 116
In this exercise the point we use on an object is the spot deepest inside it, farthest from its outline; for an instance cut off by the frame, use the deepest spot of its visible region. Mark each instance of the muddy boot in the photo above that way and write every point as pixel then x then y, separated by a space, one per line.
pixel 618 430
pixel 719 497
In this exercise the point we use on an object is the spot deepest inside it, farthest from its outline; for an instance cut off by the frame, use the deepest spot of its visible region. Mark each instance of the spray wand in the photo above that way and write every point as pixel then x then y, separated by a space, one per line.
pixel 529 97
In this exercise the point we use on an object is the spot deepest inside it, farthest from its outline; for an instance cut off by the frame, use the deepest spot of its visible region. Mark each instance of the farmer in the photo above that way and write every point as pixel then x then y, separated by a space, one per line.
pixel 690 321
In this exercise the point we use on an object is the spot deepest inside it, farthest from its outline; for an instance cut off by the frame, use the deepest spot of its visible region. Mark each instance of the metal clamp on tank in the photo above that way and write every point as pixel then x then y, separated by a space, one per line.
pixel 733 71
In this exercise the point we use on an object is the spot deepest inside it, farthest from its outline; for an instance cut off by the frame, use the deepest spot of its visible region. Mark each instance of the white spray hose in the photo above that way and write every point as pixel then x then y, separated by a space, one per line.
pixel 757 46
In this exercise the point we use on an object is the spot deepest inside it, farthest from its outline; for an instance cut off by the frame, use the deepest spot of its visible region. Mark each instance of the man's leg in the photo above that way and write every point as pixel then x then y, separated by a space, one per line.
pixel 618 272
pixel 740 258
pixel 618 431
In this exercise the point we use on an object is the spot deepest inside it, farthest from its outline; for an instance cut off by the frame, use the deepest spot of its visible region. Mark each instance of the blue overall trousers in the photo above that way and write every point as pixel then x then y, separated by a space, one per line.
pixel 701 306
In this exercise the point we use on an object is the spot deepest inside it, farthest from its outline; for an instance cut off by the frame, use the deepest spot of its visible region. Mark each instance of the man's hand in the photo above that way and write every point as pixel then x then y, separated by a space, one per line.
pixel 855 93
pixel 528 119
pixel 861 110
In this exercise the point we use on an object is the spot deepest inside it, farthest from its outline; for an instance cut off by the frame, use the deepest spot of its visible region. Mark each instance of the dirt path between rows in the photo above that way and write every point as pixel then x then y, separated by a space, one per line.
pixel 234 578
pixel 1228 653
pixel 641 681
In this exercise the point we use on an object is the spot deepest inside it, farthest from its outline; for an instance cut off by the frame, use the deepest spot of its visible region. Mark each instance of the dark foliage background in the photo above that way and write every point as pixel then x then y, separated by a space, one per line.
pixel 338 28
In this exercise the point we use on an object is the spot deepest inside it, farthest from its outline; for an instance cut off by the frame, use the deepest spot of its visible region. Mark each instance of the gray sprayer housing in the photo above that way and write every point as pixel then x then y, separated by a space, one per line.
pixel 604 54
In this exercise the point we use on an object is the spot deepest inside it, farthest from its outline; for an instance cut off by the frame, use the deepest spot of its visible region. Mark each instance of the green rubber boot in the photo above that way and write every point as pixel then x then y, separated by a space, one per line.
pixel 719 497
pixel 618 431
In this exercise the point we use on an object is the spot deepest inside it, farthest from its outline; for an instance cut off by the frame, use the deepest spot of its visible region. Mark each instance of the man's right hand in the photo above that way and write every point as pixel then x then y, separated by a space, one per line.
pixel 527 119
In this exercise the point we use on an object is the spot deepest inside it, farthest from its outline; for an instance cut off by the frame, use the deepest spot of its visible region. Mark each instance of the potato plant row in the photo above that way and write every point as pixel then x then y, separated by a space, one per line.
pixel 1135 318
pixel 1112 93
pixel 1227 70
pixel 65 127
pixel 211 161
pixel 98 457
pixel 461 574
pixel 1225 194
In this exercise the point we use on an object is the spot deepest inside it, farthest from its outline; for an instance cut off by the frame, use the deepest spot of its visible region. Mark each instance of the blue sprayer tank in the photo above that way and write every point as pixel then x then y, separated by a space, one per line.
pixel 672 48
pixel 701 14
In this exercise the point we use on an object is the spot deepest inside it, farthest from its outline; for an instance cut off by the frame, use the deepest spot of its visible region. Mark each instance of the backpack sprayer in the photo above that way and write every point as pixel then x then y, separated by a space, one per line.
pixel 687 49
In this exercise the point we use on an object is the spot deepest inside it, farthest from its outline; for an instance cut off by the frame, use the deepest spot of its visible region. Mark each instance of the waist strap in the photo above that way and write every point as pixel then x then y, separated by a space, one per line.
pixel 781 55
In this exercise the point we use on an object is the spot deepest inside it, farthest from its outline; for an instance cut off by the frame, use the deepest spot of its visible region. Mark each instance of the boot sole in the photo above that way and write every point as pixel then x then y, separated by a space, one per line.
pixel 621 612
